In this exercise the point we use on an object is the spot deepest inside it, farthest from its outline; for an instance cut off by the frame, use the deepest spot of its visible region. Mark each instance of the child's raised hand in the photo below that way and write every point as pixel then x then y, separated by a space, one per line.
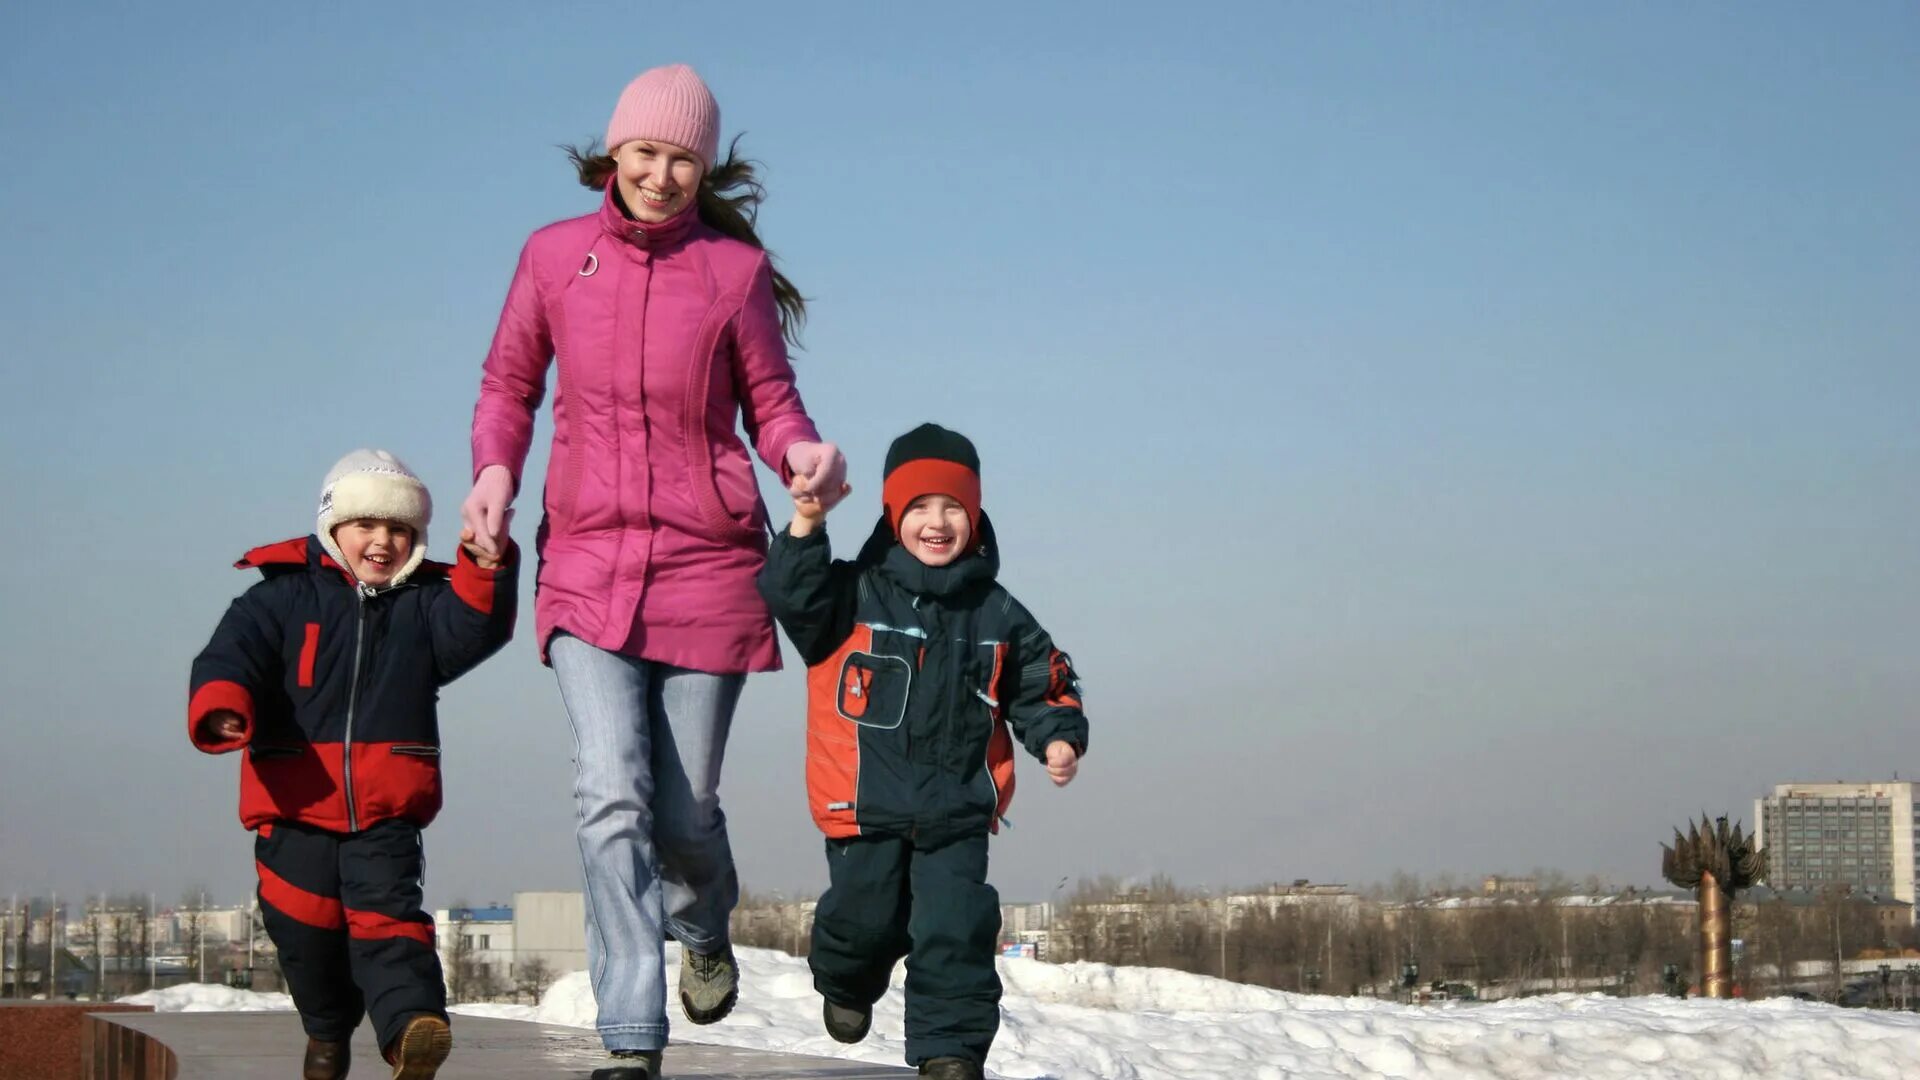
pixel 807 504
pixel 1063 761
pixel 480 556
pixel 225 725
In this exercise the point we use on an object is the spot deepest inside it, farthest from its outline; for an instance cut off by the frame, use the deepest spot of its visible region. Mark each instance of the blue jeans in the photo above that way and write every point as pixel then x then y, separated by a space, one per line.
pixel 648 742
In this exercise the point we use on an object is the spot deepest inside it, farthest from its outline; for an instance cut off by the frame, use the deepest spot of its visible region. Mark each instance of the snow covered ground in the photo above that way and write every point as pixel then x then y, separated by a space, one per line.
pixel 1086 1021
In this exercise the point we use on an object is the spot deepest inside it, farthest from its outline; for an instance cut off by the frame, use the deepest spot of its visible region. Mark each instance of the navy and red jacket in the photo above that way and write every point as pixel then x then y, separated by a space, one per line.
pixel 919 680
pixel 338 683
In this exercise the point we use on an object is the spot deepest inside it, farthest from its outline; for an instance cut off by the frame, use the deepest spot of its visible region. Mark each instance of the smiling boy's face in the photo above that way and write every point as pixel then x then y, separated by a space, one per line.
pixel 935 529
pixel 375 550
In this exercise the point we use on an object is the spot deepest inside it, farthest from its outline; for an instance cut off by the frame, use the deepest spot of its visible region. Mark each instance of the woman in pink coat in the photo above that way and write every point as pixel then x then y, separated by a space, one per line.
pixel 669 327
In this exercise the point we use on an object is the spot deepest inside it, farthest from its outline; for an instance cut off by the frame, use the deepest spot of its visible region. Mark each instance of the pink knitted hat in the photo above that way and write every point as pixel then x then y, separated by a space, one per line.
pixel 668 104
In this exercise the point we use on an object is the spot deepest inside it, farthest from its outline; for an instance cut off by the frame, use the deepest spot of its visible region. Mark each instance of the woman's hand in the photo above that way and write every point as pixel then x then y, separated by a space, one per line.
pixel 480 556
pixel 488 511
pixel 824 469
pixel 809 510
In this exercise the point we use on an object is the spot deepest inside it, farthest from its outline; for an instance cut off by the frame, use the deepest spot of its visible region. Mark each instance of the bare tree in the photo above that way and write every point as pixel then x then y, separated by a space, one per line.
pixel 532 978
pixel 192 920
pixel 23 960
pixel 97 932
pixel 464 970
pixel 1405 887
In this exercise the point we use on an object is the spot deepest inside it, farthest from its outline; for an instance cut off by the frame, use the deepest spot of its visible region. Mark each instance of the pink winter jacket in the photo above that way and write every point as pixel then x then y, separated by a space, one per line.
pixel 666 334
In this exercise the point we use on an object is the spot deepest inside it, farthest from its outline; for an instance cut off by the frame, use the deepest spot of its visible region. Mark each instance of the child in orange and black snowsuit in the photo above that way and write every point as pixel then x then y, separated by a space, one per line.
pixel 923 671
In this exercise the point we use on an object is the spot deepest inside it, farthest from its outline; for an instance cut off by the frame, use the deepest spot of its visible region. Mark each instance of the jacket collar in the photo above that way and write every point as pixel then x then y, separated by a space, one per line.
pixel 977 567
pixel 306 553
pixel 645 235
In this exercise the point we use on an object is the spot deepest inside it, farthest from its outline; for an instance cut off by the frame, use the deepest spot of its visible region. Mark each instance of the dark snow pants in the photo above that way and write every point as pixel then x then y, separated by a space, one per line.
pixel 344 910
pixel 890 897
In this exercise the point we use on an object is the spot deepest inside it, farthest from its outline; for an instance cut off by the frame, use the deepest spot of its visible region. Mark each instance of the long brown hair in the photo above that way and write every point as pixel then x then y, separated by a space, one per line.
pixel 728 202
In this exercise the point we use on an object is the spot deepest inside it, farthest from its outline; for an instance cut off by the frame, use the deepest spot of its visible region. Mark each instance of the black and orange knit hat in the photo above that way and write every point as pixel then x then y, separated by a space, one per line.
pixel 930 460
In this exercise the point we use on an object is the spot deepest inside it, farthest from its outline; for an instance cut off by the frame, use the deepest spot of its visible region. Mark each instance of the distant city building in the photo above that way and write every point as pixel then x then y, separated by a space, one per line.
pixel 1017 919
pixel 1495 885
pixel 485 935
pixel 551 926
pixel 1858 835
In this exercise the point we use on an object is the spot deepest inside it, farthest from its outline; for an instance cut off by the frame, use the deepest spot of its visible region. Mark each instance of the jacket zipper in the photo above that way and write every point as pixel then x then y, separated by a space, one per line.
pixel 360 594
pixel 919 665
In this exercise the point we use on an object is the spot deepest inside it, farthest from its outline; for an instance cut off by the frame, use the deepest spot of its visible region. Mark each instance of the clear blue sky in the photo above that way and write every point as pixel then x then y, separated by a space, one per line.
pixel 1448 437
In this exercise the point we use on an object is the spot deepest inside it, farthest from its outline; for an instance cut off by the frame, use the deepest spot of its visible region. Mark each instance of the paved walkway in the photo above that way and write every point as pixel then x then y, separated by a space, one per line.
pixel 243 1046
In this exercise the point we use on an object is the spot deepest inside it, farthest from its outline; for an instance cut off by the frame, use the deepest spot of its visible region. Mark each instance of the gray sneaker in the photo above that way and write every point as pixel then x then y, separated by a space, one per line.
pixel 709 984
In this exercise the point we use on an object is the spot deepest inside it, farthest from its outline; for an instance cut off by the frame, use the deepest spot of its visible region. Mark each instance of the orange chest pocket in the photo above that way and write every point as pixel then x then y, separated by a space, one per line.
pixel 872 689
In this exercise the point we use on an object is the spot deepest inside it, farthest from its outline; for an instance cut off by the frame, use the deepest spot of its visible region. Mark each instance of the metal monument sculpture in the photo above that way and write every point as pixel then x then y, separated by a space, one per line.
pixel 1715 862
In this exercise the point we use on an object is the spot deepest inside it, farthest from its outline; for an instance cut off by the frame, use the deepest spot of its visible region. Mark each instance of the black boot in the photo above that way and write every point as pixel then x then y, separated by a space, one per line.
pixel 326 1060
pixel 632 1065
pixel 952 1068
pixel 846 1023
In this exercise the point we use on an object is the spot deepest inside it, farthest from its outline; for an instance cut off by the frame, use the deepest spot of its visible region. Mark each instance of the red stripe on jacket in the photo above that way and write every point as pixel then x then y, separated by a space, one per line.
pixel 309 648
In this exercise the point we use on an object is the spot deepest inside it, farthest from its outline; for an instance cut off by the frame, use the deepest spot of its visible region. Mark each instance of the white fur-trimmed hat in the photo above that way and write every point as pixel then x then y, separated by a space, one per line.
pixel 375 484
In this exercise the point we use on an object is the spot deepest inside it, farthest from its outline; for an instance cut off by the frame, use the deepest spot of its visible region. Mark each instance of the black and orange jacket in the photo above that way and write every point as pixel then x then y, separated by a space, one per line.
pixel 915 675
pixel 338 684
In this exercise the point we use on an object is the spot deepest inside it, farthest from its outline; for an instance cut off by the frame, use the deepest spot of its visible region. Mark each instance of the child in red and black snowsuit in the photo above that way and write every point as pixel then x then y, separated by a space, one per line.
pixel 326 675
pixel 919 664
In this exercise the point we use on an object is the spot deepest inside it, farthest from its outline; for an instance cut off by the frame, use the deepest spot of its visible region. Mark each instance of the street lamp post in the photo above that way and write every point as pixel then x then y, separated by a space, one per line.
pixel 200 922
pixel 1053 917
pixel 1226 917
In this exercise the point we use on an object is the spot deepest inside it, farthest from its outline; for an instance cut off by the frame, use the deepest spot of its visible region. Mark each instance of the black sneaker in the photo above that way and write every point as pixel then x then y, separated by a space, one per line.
pixel 709 984
pixel 846 1023
pixel 633 1065
pixel 952 1068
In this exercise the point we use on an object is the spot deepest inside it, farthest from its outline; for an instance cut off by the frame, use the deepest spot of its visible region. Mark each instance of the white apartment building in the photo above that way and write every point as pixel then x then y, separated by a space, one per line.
pixel 1820 835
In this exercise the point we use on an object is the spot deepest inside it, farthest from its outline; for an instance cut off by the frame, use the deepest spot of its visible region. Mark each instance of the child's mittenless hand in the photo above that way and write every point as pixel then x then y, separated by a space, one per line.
pixel 481 558
pixel 224 725
pixel 808 508
pixel 823 467
pixel 1063 761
